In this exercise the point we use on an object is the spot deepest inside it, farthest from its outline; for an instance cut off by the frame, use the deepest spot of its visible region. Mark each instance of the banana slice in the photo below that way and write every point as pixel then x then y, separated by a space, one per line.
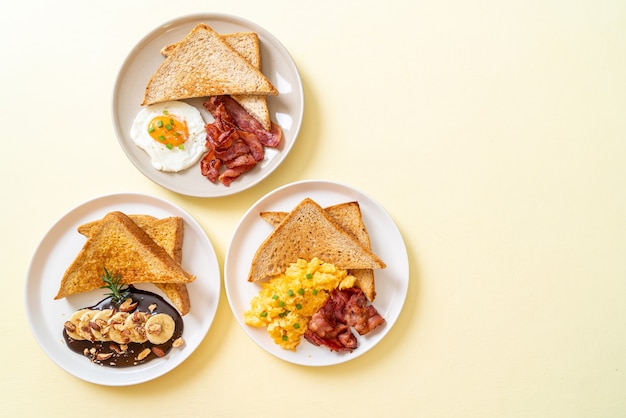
pixel 160 328
pixel 84 328
pixel 136 325
pixel 99 324
pixel 72 325
pixel 117 328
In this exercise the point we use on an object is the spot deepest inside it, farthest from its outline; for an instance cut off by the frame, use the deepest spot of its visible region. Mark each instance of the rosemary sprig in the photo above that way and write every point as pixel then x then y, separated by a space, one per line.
pixel 118 292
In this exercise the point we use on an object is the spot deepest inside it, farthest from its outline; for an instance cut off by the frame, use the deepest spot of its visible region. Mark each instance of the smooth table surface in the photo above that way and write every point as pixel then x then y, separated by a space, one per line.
pixel 493 133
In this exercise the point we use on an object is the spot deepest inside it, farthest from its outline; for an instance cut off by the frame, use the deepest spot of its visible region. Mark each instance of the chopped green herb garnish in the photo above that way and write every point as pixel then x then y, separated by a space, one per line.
pixel 165 112
pixel 309 276
pixel 281 304
pixel 296 325
pixel 150 129
pixel 298 306
pixel 169 127
pixel 301 291
pixel 315 292
pixel 159 123
pixel 290 292
pixel 274 296
pixel 263 314
pixel 285 338
pixel 169 146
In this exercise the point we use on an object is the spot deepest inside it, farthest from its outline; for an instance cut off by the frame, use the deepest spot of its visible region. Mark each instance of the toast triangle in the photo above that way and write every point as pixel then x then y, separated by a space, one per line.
pixel 308 232
pixel 348 216
pixel 247 44
pixel 168 233
pixel 203 65
pixel 124 249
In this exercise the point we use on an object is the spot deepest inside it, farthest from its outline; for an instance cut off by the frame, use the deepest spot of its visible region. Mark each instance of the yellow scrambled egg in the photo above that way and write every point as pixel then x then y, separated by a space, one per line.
pixel 286 302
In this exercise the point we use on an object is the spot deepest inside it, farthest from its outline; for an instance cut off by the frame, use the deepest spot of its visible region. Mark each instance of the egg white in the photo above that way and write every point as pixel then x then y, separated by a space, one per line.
pixel 161 157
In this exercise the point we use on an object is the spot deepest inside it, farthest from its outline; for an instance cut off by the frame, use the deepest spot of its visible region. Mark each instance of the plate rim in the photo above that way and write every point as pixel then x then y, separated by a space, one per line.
pixel 346 189
pixel 298 115
pixel 128 376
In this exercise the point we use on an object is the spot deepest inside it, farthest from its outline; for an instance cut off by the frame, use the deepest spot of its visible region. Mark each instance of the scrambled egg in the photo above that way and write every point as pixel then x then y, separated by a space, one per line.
pixel 287 302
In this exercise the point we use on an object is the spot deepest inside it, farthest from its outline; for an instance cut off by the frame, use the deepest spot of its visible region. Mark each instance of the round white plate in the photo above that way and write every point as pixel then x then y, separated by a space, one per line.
pixel 58 249
pixel 391 282
pixel 286 109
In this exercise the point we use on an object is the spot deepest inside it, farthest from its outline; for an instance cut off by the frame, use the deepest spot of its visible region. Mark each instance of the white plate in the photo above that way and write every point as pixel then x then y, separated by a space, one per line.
pixel 286 109
pixel 391 282
pixel 58 249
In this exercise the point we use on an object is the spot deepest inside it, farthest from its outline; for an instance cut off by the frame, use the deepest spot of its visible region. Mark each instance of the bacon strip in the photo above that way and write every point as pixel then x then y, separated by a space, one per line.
pixel 330 326
pixel 325 330
pixel 244 121
pixel 235 140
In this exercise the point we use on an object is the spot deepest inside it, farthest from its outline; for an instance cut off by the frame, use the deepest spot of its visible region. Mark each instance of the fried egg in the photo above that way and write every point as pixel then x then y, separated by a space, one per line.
pixel 172 133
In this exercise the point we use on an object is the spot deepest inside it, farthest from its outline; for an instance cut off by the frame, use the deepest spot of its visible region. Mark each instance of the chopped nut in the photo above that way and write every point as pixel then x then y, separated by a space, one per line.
pixel 125 334
pixel 139 317
pixel 94 325
pixel 144 354
pixel 152 307
pixel 88 332
pixel 69 326
pixel 86 351
pixel 158 351
pixel 178 342
pixel 103 356
pixel 154 329
pixel 115 347
pixel 128 305
pixel 123 347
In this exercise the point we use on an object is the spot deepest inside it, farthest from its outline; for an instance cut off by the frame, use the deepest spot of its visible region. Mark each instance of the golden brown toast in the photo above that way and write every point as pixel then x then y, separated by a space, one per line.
pixel 168 233
pixel 308 232
pixel 348 216
pixel 124 249
pixel 247 44
pixel 203 65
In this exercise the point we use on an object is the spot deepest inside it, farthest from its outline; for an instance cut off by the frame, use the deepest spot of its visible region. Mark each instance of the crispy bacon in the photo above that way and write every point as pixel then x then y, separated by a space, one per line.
pixel 210 166
pixel 325 330
pixel 242 119
pixel 351 308
pixel 235 140
pixel 330 326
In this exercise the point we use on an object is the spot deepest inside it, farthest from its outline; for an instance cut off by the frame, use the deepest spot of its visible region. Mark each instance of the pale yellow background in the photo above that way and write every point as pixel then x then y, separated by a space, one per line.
pixel 493 132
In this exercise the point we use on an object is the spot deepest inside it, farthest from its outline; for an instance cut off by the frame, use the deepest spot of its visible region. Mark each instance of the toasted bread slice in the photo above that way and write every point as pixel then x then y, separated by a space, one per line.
pixel 203 65
pixel 168 233
pixel 124 249
pixel 307 232
pixel 248 45
pixel 348 216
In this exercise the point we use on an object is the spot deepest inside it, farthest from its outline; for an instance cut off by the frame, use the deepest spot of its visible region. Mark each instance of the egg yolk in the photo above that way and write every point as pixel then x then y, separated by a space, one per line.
pixel 168 130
